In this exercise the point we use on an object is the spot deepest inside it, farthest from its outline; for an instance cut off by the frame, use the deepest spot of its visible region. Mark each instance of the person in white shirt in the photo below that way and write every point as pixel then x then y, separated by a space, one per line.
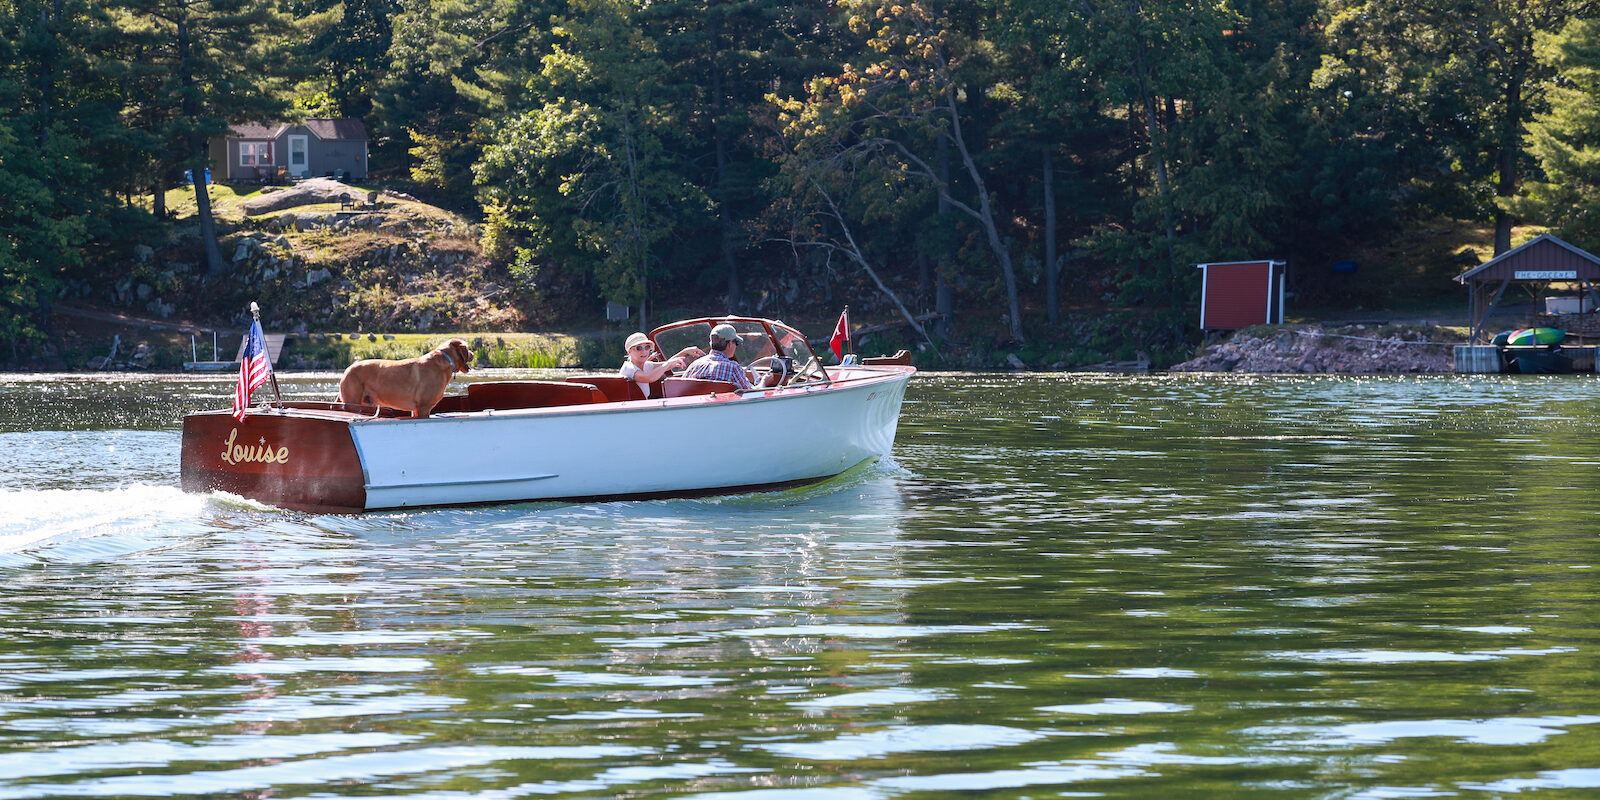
pixel 645 372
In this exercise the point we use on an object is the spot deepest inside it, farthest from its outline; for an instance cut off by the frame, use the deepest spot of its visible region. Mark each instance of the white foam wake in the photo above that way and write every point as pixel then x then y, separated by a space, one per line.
pixel 93 524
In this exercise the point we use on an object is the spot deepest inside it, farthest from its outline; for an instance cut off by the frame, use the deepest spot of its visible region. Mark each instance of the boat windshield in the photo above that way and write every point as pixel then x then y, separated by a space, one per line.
pixel 756 344
pixel 807 366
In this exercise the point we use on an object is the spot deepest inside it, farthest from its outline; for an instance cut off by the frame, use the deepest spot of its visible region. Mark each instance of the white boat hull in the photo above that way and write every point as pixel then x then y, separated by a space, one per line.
pixel 642 447
pixel 325 458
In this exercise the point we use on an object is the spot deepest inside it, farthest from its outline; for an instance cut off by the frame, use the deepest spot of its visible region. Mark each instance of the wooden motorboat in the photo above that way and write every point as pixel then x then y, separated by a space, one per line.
pixel 585 437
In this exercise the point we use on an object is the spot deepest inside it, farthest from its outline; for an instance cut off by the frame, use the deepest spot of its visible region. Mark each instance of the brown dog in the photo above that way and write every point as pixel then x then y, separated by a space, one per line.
pixel 415 384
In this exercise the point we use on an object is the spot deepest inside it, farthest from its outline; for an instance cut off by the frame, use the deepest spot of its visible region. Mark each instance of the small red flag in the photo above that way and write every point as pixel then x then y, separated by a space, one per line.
pixel 841 334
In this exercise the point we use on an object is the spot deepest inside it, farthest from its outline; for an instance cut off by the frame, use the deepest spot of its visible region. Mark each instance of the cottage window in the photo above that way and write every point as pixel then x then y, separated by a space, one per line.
pixel 255 154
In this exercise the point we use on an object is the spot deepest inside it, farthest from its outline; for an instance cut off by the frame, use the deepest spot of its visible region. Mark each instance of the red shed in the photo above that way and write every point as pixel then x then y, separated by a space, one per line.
pixel 1238 294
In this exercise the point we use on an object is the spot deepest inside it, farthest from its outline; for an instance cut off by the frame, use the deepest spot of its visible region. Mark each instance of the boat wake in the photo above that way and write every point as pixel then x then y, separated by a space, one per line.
pixel 91 525
pixel 864 475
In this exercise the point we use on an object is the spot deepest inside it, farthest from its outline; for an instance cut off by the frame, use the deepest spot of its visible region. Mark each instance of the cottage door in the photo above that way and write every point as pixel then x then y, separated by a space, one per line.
pixel 299 164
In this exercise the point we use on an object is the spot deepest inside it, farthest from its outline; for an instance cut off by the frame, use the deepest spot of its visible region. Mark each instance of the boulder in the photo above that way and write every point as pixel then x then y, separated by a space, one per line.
pixel 306 192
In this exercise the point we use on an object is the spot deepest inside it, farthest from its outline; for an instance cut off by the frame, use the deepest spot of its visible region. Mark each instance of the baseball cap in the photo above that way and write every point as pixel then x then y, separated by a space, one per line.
pixel 726 333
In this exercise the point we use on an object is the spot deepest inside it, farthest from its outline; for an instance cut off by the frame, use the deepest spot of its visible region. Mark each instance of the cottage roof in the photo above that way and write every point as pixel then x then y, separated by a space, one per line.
pixel 345 128
pixel 256 130
pixel 1542 254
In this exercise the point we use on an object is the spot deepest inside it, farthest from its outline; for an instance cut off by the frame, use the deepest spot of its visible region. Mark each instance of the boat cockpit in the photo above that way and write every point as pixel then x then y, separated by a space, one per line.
pixel 766 346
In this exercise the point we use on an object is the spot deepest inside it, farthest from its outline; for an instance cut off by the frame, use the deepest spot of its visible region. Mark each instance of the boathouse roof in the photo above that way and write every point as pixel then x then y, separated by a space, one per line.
pixel 1543 258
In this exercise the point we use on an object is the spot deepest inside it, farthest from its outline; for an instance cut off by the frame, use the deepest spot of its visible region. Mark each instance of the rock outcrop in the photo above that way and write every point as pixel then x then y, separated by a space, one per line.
pixel 306 192
pixel 1354 349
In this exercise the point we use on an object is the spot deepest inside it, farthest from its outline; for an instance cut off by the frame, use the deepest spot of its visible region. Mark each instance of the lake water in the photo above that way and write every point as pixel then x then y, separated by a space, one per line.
pixel 1063 586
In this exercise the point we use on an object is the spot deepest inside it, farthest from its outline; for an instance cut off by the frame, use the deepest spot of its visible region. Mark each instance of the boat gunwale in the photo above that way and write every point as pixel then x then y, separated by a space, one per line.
pixel 331 411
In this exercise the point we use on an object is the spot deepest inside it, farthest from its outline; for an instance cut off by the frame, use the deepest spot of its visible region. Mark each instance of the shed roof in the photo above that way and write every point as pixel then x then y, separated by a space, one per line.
pixel 1544 253
pixel 344 128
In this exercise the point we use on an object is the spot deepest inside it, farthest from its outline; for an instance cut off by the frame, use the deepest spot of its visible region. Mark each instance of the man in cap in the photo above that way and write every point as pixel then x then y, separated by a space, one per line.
pixel 720 364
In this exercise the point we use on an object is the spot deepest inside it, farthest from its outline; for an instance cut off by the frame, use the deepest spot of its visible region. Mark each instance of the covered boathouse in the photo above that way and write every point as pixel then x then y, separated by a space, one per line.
pixel 1535 265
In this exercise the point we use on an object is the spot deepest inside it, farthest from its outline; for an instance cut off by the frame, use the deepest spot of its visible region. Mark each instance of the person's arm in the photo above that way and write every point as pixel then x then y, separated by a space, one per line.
pixel 689 353
pixel 653 371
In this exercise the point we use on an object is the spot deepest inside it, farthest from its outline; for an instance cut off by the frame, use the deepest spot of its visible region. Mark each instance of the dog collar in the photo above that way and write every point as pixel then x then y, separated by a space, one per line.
pixel 454 367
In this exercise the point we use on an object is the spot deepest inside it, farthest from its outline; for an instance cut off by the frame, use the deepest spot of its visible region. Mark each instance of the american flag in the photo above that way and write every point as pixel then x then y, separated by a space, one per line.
pixel 254 369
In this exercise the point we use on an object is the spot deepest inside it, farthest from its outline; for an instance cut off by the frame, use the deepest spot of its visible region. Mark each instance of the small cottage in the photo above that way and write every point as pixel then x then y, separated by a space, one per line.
pixel 254 152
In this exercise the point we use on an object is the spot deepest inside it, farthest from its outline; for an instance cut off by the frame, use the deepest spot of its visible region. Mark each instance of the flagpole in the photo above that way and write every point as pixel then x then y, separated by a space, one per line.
pixel 849 346
pixel 272 374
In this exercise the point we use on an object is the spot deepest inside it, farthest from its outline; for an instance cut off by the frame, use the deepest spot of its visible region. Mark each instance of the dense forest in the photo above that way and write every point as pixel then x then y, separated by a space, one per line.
pixel 1012 165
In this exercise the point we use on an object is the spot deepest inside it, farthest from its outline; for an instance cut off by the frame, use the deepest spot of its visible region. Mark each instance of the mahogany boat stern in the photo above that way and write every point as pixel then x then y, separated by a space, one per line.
pixel 301 463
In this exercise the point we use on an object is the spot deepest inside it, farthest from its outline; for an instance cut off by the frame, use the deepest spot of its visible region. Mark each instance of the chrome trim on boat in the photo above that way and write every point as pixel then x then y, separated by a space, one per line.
pixel 478 482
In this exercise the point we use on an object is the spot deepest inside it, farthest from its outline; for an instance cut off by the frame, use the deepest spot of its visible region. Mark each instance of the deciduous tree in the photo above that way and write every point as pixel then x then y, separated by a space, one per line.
pixel 884 119
pixel 609 119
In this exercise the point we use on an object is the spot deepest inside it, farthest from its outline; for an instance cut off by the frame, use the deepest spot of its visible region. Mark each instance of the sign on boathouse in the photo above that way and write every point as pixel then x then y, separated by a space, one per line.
pixel 1238 294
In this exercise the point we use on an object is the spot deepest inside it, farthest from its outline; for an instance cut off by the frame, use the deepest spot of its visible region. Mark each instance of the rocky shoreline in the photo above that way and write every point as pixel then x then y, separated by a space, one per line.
pixel 1345 349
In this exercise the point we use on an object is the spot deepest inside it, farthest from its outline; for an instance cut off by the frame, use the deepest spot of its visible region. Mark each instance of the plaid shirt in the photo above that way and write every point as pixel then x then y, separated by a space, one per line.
pixel 714 366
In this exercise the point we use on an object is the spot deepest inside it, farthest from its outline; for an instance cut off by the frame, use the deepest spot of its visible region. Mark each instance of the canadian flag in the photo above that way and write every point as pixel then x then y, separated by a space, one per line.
pixel 841 334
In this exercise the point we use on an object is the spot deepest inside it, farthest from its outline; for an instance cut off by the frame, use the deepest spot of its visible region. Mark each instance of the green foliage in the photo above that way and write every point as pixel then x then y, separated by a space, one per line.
pixel 335 351
pixel 536 356
pixel 1565 140
pixel 592 169
pixel 709 156
pixel 32 242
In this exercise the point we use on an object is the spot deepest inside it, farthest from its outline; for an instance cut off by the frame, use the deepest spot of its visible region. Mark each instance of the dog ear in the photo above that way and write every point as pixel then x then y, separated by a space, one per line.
pixel 464 352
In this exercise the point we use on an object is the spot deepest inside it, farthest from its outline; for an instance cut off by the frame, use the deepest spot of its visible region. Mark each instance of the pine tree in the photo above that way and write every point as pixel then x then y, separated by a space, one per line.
pixel 220 62
pixel 60 142
pixel 1465 80
pixel 1565 140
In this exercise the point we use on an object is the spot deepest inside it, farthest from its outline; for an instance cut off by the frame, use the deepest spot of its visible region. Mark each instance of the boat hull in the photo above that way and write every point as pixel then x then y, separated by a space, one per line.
pixel 299 461
pixel 325 459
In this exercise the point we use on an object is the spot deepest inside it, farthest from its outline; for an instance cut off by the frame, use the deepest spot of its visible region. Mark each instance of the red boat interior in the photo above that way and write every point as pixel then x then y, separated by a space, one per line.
pixel 574 391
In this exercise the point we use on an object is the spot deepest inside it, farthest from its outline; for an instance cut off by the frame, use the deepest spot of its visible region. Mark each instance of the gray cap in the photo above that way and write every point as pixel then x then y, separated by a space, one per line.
pixel 726 333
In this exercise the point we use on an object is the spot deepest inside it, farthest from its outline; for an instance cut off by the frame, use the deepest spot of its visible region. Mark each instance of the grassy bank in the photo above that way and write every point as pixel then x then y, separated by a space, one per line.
pixel 146 345
pixel 500 350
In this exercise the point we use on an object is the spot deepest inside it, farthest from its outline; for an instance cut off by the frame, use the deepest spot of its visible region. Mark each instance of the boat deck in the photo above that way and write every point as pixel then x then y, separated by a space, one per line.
pixel 571 394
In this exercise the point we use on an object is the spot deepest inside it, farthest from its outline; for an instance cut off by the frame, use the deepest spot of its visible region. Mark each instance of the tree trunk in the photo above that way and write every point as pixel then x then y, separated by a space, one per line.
pixel 945 303
pixel 634 208
pixel 1508 178
pixel 719 139
pixel 197 155
pixel 1051 269
pixel 853 250
pixel 944 298
pixel 1158 150
pixel 986 218
pixel 208 223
